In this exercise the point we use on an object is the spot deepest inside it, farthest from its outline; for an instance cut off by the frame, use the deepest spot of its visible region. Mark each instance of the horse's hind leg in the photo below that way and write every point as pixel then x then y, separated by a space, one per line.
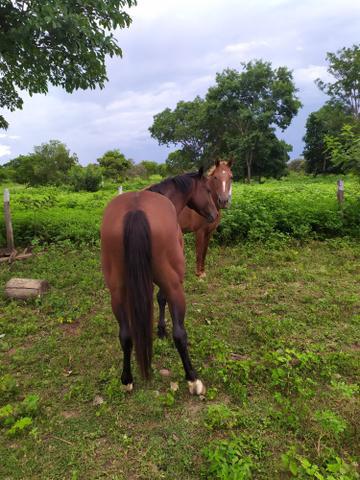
pixel 162 304
pixel 125 342
pixel 176 301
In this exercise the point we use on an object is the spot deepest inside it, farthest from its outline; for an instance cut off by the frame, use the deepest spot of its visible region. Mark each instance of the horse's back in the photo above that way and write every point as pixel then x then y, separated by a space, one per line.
pixel 162 219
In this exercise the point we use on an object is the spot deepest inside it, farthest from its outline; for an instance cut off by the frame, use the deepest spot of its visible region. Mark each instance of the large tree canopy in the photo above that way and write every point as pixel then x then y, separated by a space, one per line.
pixel 237 118
pixel 344 66
pixel 245 106
pixel 60 42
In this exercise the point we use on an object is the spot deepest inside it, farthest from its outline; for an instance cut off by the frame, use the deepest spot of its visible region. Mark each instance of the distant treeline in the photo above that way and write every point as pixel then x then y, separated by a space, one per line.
pixel 52 164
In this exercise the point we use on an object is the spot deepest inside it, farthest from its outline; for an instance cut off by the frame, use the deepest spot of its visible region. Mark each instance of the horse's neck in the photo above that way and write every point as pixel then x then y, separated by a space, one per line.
pixel 178 199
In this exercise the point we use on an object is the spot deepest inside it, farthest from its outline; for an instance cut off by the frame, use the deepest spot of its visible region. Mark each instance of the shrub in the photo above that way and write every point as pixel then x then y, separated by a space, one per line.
pixel 87 178
pixel 299 207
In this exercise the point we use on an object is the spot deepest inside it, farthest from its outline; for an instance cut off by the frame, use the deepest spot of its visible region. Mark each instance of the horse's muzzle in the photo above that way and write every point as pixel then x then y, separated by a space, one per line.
pixel 222 202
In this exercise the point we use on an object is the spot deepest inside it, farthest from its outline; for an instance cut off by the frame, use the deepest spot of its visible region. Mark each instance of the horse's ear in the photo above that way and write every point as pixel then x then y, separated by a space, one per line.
pixel 230 162
pixel 217 162
pixel 201 171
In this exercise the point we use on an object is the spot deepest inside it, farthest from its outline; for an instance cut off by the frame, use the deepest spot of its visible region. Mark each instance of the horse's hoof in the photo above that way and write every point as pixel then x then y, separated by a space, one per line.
pixel 201 275
pixel 197 387
pixel 129 387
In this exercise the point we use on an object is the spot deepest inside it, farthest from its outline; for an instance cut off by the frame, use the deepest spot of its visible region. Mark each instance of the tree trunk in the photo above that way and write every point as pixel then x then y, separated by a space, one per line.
pixel 249 157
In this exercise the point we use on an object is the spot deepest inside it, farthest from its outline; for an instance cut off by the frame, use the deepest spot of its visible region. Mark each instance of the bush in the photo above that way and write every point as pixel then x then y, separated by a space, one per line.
pixel 300 208
pixel 87 178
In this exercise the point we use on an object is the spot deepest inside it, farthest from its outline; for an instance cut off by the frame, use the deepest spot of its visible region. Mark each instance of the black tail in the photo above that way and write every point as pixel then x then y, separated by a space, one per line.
pixel 139 285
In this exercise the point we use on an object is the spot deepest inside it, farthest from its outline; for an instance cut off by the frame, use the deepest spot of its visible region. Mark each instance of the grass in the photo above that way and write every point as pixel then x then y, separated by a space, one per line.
pixel 274 333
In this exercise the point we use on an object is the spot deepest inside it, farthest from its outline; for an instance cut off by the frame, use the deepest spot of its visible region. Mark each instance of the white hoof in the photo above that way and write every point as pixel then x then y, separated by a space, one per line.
pixel 129 387
pixel 197 387
pixel 201 275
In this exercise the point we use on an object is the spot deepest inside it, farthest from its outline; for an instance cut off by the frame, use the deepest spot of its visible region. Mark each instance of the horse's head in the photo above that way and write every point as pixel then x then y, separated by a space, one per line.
pixel 201 199
pixel 220 177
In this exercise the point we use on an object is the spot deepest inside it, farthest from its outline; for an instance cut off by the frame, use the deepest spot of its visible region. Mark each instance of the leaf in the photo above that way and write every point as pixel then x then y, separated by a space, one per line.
pixel 19 426
pixel 293 467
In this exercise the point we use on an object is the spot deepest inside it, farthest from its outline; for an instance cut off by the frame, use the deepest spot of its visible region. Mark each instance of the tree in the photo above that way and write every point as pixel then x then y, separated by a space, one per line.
pixel 60 42
pixel 184 126
pixel 136 170
pixel 87 178
pixel 163 170
pixel 3 174
pixel 328 120
pixel 271 157
pixel 179 161
pixel 114 164
pixel 244 105
pixel 344 66
pixel 344 149
pixel 151 168
pixel 297 165
pixel 49 164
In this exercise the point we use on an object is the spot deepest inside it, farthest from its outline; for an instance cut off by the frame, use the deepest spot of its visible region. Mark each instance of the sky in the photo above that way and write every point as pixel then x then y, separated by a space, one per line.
pixel 171 52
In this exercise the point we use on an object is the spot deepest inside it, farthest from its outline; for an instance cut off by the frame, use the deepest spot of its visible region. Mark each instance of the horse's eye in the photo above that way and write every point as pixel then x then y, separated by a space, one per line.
pixel 216 178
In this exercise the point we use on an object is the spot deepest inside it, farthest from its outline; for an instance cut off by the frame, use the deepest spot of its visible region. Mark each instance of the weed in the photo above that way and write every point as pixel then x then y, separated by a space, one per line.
pixel 233 459
pixel 333 468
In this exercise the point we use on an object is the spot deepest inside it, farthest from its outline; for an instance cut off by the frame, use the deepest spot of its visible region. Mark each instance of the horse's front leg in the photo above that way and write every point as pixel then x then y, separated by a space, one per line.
pixel 200 243
pixel 162 304
pixel 206 241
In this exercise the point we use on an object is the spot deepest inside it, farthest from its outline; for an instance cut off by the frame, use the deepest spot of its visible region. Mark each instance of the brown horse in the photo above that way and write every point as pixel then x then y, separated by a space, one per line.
pixel 220 176
pixel 141 243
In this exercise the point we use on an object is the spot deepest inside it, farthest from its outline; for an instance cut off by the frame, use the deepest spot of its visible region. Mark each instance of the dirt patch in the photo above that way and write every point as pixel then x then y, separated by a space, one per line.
pixel 72 329
pixel 69 414
pixel 194 407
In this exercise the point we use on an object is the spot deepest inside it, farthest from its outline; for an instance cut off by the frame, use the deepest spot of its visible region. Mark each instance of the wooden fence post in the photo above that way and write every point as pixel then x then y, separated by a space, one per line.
pixel 340 191
pixel 8 224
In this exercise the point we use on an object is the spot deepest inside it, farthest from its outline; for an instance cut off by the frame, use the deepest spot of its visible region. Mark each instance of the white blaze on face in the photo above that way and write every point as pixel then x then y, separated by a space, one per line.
pixel 224 186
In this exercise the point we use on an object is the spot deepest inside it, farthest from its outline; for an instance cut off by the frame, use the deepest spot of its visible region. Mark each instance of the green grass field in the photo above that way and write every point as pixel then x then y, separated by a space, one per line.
pixel 274 333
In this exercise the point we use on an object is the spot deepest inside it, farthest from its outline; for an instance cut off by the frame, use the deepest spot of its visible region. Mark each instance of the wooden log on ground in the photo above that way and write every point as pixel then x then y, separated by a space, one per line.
pixel 23 288
pixel 11 258
pixel 5 252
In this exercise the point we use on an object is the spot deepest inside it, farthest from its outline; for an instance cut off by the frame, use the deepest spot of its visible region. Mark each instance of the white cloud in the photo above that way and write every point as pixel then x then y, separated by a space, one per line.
pixel 4 150
pixel 246 47
pixel 10 137
pixel 310 73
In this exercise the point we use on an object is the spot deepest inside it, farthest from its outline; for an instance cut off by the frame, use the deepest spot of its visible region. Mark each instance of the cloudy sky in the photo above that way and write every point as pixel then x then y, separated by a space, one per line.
pixel 172 52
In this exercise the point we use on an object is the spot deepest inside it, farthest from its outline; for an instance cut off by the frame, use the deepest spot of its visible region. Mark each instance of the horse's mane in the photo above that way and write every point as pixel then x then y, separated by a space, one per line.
pixel 214 167
pixel 181 182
